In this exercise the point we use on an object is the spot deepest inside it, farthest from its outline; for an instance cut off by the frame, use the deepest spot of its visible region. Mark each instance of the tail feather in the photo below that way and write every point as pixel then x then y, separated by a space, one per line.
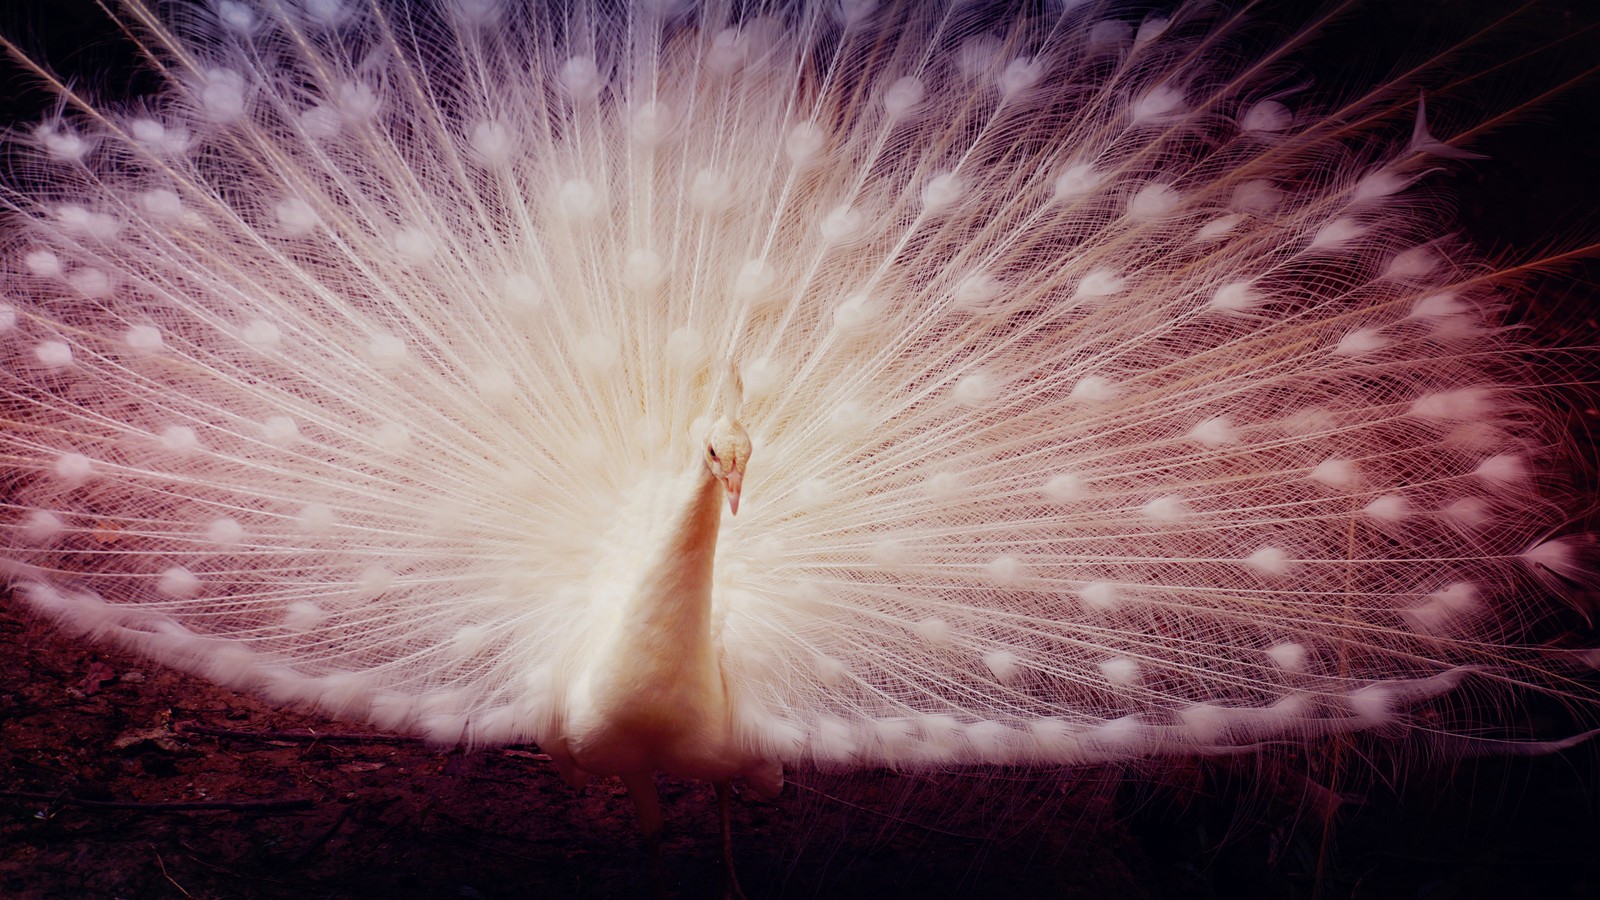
pixel 1104 404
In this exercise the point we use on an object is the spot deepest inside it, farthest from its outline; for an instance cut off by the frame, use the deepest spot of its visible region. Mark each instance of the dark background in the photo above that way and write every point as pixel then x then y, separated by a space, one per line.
pixel 1341 819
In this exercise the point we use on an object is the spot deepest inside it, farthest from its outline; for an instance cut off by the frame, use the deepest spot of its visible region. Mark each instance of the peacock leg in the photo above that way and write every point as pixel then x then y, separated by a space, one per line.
pixel 730 886
pixel 642 790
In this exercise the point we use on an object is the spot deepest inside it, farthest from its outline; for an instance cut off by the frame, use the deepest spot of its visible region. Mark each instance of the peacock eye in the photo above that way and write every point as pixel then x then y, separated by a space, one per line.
pixel 711 452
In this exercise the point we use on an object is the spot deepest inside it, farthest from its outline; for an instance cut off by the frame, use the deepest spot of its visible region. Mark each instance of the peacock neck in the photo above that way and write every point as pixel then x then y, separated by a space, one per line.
pixel 673 604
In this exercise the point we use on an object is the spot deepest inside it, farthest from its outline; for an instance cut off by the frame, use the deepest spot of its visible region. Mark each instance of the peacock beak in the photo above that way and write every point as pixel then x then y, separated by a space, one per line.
pixel 734 482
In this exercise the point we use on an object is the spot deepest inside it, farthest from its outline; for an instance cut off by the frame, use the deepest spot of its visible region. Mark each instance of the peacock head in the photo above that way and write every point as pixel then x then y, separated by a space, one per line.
pixel 728 444
pixel 727 453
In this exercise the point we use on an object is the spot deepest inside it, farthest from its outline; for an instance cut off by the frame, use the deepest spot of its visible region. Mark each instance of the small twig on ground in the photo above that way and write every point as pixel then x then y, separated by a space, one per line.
pixel 327 833
pixel 196 856
pixel 66 799
pixel 164 874
pixel 313 737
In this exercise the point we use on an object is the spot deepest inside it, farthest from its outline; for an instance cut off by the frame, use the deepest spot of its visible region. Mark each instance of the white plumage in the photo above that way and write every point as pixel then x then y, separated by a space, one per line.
pixel 1103 404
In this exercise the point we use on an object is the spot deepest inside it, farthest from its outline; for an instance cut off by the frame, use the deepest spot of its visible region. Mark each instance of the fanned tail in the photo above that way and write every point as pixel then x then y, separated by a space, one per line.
pixel 1104 403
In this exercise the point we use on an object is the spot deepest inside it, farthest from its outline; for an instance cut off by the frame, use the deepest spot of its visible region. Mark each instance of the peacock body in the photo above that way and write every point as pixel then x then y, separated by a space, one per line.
pixel 1100 403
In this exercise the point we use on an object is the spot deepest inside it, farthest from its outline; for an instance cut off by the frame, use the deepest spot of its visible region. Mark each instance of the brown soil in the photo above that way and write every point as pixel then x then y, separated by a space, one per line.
pixel 95 743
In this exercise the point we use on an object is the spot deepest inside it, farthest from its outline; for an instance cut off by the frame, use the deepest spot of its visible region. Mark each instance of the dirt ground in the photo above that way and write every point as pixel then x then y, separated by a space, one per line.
pixel 98 749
